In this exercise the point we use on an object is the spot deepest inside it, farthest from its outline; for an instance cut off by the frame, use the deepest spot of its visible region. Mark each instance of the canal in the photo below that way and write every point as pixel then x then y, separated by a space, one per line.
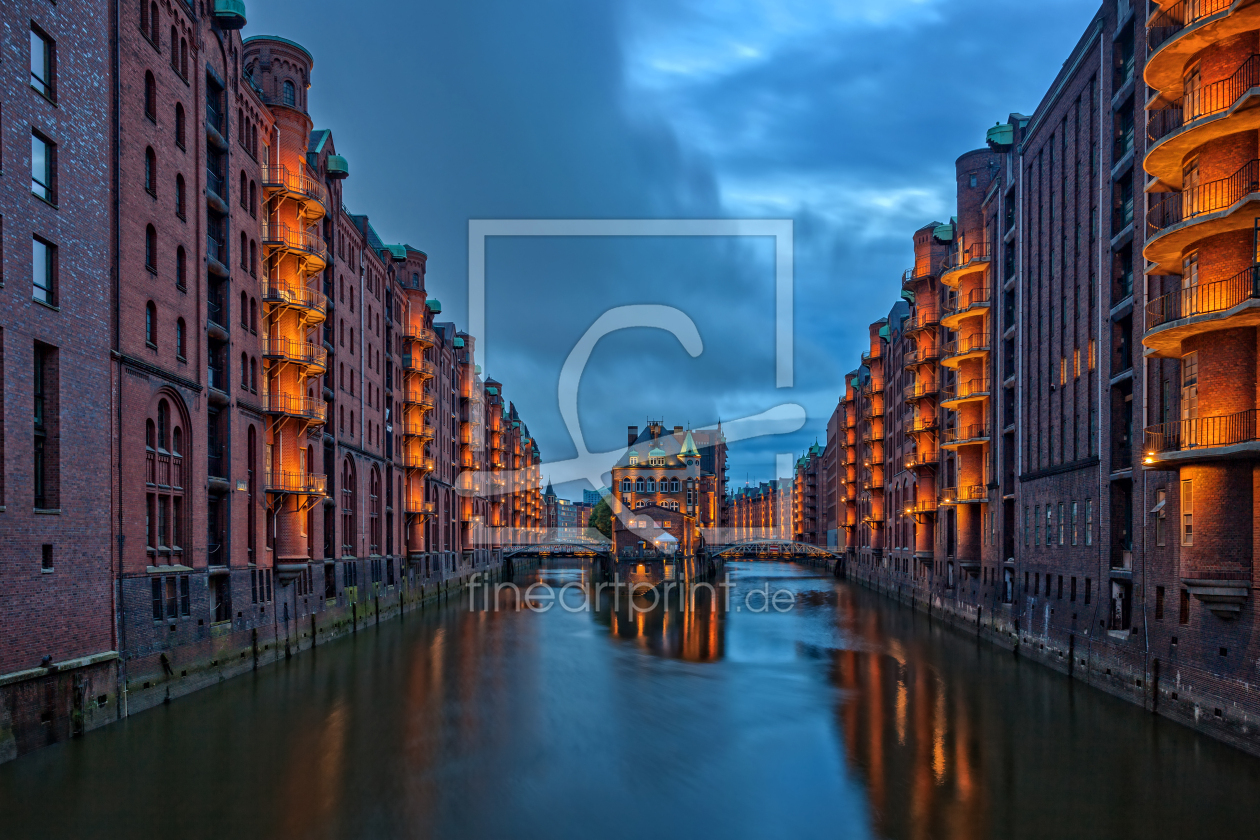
pixel 842 715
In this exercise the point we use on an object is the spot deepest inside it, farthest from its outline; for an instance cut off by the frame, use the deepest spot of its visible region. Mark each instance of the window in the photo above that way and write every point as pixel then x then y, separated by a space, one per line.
pixel 1187 512
pixel 43 64
pixel 150 97
pixel 1159 603
pixel 43 167
pixel 244 194
pixel 150 324
pixel 290 94
pixel 1161 517
pixel 174 48
pixel 150 172
pixel 1049 526
pixel 1026 529
pixel 181 268
pixel 180 207
pixel 44 271
pixel 1089 523
pixel 1061 523
pixel 149 22
pixel 244 372
pixel 150 248
pixel 181 352
pixel 1074 531
pixel 1183 609
pixel 181 132
pixel 1189 397
pixel 46 423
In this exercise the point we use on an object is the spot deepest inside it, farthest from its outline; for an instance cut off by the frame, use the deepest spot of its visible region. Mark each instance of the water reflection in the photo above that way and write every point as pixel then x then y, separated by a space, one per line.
pixel 845 716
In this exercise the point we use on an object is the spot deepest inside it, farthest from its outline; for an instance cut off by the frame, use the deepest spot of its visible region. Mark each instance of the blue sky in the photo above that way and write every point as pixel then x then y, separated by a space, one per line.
pixel 844 116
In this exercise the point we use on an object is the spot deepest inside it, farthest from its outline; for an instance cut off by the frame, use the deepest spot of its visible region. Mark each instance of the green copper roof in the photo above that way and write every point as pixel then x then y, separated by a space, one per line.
pixel 294 44
pixel 459 342
pixel 435 306
pixel 883 332
pixel 944 233
pixel 398 252
pixel 477 369
pixel 1001 135
pixel 656 453
pixel 337 167
pixel 689 446
pixel 492 391
pixel 230 13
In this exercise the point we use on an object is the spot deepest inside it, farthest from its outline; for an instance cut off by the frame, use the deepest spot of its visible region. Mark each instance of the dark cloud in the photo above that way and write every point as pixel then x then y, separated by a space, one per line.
pixel 845 118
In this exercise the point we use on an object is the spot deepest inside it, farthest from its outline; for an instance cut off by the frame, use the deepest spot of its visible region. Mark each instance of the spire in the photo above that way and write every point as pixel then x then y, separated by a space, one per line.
pixel 550 491
pixel 689 447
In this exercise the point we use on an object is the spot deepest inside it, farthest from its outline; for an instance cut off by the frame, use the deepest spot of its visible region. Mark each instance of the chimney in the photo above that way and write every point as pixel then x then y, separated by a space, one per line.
pixel 632 432
pixel 678 431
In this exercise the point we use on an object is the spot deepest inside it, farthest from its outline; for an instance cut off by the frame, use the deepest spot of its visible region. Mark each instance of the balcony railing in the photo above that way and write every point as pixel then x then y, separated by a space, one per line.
pixel 294 183
pixel 420 508
pixel 417 462
pixel 1170 208
pixel 304 483
pixel 417 430
pixel 302 297
pixel 923 355
pixel 920 390
pixel 1165 25
pixel 962 302
pixel 302 352
pixel 913 275
pixel 969 493
pixel 299 241
pixel 416 363
pixel 420 398
pixel 922 321
pixel 975 252
pixel 970 344
pixel 1206 101
pixel 964 434
pixel 963 390
pixel 216 183
pixel 1202 432
pixel 1204 298
pixel 923 424
pixel 421 335
pixel 216 250
pixel 294 406
pixel 922 459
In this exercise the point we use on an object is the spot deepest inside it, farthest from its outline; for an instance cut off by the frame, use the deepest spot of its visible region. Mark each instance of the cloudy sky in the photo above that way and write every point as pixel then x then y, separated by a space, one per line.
pixel 844 116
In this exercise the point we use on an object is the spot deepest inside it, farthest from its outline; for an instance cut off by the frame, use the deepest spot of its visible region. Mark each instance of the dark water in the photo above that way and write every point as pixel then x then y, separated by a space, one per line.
pixel 846 716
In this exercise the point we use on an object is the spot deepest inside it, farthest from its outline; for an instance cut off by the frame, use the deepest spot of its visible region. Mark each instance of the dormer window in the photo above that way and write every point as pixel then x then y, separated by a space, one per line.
pixel 634 460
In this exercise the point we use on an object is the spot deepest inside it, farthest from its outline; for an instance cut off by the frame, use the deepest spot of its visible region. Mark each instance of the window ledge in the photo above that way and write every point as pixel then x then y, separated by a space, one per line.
pixel 48 511
pixel 50 100
pixel 51 204
pixel 54 307
pixel 44 571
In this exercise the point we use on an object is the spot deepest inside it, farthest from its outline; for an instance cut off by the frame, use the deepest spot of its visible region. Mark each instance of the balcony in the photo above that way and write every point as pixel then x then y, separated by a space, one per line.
pixel 1202 439
pixel 972 390
pixel 927 458
pixel 1213 111
pixel 303 408
pixel 922 424
pixel 921 321
pixel 297 483
pixel 964 262
pixel 923 355
pixel 976 433
pixel 1181 30
pixel 920 507
pixel 313 356
pixel 309 193
pixel 310 303
pixel 921 390
pixel 420 431
pixel 961 349
pixel 1177 220
pixel 423 336
pixel 914 275
pixel 306 246
pixel 416 363
pixel 961 306
pixel 423 463
pixel 1202 308
pixel 419 508
pixel 970 494
pixel 420 398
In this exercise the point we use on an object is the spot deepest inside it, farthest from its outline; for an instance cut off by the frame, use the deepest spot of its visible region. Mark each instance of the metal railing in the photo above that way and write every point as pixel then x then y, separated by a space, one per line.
pixel 1204 298
pixel 970 344
pixel 294 406
pixel 923 424
pixel 297 183
pixel 963 434
pixel 913 275
pixel 970 388
pixel 419 364
pixel 1202 432
pixel 289 295
pixel 303 352
pixel 962 302
pixel 923 355
pixel 1206 101
pixel 922 459
pixel 1164 26
pixel 283 236
pixel 1167 209
pixel 423 335
pixel 305 483
pixel 975 252
pixel 216 250
pixel 420 398
pixel 216 183
pixel 922 321
pixel 417 462
pixel 417 430
pixel 968 493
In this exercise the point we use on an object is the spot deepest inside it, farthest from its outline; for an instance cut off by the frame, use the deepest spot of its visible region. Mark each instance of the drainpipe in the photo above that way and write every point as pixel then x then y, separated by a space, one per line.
pixel 120 627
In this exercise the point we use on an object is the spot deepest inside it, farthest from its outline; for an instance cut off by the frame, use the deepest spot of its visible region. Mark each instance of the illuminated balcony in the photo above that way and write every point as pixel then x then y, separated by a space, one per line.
pixel 914 275
pixel 1215 110
pixel 1202 308
pixel 301 408
pixel 1202 439
pixel 423 463
pixel 871 434
pixel 962 306
pixel 416 363
pixel 970 494
pixel 921 321
pixel 973 390
pixel 413 396
pixel 296 483
pixel 420 431
pixel 974 434
pixel 921 507
pixel 926 458
pixel 312 356
pixel 423 336
pixel 309 193
pixel 419 508
pixel 310 303
pixel 923 424
pixel 964 262
pixel 923 355
pixel 1177 221
pixel 921 390
pixel 961 349
pixel 307 247
pixel 1175 34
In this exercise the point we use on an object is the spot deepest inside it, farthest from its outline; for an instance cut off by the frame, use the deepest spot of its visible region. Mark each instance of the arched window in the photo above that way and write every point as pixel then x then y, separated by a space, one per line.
pixel 144 18
pixel 183 57
pixel 181 268
pixel 181 132
pixel 651 485
pixel 244 252
pixel 253 376
pixel 253 199
pixel 253 258
pixel 253 315
pixel 180 209
pixel 164 508
pixel 150 93
pixel 638 485
pixel 251 473
pixel 348 506
pixel 180 349
pixel 154 29
pixel 244 309
pixel 240 138
pixel 150 171
pixel 626 485
pixel 150 248
pixel 174 49
pixel 673 486
pixel 150 324
pixel 244 372
pixel 374 501
pixel 244 191
pixel 290 94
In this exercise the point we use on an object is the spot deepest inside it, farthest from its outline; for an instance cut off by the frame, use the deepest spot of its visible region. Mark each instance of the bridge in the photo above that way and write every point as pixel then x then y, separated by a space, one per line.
pixel 560 548
pixel 768 549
